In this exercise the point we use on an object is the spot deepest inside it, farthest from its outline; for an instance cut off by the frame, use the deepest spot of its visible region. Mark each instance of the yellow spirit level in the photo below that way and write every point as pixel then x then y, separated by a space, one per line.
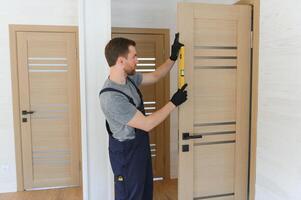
pixel 181 80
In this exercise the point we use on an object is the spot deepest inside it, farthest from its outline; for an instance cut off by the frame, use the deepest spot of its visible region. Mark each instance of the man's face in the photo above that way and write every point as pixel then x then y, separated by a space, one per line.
pixel 131 61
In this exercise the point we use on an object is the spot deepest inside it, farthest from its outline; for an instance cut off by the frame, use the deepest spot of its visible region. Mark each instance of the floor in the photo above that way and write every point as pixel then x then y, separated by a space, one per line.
pixel 61 194
pixel 166 190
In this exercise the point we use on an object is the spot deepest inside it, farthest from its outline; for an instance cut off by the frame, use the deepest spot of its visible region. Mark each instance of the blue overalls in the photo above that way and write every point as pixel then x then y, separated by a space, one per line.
pixel 131 160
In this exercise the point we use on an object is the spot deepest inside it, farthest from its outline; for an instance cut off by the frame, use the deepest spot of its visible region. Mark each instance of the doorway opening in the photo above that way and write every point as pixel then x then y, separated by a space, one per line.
pixel 152 47
pixel 218 69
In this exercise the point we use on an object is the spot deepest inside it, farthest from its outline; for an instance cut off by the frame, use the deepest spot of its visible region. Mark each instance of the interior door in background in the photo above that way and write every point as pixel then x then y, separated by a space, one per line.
pixel 50 110
pixel 151 54
pixel 214 123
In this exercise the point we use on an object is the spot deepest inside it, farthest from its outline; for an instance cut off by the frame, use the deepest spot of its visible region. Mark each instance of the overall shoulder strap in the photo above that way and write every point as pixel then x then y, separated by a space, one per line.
pixel 115 90
pixel 137 89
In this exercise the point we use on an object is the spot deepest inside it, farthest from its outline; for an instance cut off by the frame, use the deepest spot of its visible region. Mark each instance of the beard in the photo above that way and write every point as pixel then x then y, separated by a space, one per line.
pixel 130 71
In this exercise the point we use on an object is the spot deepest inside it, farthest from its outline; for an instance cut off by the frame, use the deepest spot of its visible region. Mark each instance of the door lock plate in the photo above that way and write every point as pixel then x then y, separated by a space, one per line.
pixel 185 148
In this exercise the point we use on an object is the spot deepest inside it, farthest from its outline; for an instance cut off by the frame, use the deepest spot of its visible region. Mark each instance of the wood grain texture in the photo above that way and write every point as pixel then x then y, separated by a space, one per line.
pixel 254 103
pixel 166 190
pixel 163 190
pixel 57 194
pixel 185 177
pixel 212 163
pixel 218 95
pixel 50 158
pixel 14 29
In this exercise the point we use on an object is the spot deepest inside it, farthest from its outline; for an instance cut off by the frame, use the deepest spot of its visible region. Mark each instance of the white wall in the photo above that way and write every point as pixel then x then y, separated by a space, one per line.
pixel 279 117
pixel 53 12
pixel 94 34
pixel 279 138
pixel 156 14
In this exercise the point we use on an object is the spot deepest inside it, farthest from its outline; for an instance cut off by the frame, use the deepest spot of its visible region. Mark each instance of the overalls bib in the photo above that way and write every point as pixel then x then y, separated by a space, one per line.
pixel 131 160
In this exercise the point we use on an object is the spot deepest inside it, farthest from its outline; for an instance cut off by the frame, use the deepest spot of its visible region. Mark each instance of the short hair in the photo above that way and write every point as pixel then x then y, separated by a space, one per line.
pixel 117 47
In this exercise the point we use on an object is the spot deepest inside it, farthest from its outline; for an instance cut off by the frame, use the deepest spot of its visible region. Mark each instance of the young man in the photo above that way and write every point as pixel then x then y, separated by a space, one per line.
pixel 126 122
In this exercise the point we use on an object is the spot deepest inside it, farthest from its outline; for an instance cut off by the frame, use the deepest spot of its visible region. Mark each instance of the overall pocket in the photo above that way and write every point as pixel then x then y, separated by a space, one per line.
pixel 120 188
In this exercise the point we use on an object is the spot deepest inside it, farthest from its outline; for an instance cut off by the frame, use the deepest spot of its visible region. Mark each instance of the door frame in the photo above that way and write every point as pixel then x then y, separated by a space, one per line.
pixel 166 123
pixel 13 30
pixel 254 93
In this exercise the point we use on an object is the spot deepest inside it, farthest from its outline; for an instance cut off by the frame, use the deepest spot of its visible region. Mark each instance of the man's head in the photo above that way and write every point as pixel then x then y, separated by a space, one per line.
pixel 122 52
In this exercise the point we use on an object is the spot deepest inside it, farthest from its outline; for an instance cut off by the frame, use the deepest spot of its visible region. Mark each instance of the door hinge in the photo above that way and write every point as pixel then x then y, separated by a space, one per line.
pixel 76 52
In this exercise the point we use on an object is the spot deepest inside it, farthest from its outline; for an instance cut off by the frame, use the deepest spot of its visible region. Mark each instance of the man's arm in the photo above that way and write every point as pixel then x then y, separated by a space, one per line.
pixel 153 77
pixel 147 123
pixel 149 78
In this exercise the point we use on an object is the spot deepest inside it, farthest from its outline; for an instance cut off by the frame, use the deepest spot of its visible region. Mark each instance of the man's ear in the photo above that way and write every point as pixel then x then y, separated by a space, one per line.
pixel 119 60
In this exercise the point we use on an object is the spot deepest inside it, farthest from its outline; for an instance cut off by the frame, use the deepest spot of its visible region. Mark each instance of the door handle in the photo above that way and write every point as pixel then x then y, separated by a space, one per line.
pixel 186 136
pixel 25 112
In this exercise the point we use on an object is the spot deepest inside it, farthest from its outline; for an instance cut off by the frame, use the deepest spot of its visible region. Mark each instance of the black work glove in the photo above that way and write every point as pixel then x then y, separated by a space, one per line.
pixel 180 96
pixel 175 48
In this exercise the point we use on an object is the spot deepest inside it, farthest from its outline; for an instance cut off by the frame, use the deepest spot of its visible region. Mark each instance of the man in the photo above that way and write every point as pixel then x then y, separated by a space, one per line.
pixel 126 122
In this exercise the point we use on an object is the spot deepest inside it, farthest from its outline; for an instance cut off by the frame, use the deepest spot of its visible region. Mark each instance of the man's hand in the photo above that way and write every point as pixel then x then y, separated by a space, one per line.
pixel 180 96
pixel 175 48
pixel 160 72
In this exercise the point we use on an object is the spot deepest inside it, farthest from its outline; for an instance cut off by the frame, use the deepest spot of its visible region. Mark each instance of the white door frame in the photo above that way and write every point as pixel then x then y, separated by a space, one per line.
pixel 94 32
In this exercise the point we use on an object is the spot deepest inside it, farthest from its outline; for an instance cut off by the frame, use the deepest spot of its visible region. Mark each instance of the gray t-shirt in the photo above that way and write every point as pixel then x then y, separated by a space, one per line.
pixel 117 109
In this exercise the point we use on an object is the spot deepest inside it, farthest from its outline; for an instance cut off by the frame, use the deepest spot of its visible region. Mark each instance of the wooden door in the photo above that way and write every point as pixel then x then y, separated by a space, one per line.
pixel 151 54
pixel 49 108
pixel 214 122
